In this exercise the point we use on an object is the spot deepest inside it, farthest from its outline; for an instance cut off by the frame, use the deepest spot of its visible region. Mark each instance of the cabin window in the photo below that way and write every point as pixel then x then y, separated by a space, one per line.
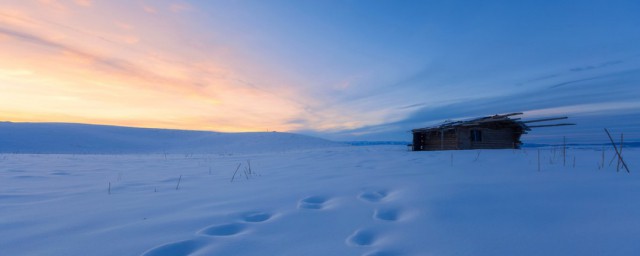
pixel 476 135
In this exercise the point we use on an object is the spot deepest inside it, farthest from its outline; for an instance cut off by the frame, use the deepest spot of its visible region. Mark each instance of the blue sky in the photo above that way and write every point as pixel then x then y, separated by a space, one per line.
pixel 343 70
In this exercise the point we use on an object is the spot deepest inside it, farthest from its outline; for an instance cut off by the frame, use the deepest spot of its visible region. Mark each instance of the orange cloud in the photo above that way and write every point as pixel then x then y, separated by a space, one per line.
pixel 149 9
pixel 123 25
pixel 83 2
pixel 55 6
pixel 92 67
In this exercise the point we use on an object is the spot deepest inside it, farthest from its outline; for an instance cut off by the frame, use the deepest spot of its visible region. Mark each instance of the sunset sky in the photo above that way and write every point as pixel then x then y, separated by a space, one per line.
pixel 342 70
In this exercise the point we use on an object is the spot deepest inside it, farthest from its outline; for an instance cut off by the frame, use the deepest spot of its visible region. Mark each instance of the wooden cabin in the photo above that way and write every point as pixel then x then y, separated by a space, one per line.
pixel 491 132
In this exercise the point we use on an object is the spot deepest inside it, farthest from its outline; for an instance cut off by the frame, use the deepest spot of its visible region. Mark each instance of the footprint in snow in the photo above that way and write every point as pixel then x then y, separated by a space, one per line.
pixel 256 217
pixel 387 214
pixel 186 247
pixel 224 229
pixel 313 202
pixel 373 196
pixel 362 238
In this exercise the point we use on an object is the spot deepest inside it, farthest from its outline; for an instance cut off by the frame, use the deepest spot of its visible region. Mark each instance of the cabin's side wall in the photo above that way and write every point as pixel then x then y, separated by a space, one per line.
pixel 434 141
pixel 419 140
pixel 505 137
pixel 464 138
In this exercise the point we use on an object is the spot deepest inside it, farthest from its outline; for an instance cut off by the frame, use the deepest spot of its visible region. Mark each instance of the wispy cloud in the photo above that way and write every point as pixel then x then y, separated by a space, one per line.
pixel 586 99
pixel 110 65
pixel 149 9
pixel 593 109
pixel 366 69
pixel 88 82
pixel 85 3
pixel 179 7
pixel 55 5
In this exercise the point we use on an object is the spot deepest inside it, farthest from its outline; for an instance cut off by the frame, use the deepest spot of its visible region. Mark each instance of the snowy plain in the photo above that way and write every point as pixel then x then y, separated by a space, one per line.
pixel 327 200
pixel 71 138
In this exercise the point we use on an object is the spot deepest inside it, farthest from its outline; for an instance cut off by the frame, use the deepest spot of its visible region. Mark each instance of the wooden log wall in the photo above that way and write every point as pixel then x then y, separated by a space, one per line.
pixel 491 138
pixel 433 141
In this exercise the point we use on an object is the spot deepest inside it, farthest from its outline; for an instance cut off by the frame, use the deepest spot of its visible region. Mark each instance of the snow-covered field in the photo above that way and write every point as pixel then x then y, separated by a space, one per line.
pixel 370 200
pixel 68 138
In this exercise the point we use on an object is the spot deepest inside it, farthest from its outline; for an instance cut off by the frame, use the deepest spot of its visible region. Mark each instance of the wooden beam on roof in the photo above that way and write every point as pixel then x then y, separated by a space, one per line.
pixel 544 119
pixel 448 125
pixel 479 122
pixel 494 120
pixel 510 114
pixel 548 125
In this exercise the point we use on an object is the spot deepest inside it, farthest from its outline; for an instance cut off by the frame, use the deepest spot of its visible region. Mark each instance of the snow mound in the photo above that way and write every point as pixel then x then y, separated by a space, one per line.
pixel 67 138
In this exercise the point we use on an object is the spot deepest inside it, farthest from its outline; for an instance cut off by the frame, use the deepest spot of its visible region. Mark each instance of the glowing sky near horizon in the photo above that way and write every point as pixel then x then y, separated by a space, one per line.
pixel 337 69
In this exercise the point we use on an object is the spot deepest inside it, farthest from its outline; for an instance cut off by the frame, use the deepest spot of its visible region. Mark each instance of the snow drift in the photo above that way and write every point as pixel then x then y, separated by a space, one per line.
pixel 66 138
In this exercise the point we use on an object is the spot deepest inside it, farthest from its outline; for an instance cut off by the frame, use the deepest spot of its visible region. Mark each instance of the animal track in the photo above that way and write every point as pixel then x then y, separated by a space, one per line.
pixel 185 247
pixel 224 230
pixel 256 216
pixel 387 214
pixel 313 202
pixel 373 196
pixel 362 238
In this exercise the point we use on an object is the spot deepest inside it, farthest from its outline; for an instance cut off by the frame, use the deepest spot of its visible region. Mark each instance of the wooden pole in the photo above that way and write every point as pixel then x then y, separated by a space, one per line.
pixel 616 149
pixel 613 157
pixel 548 125
pixel 621 143
pixel 544 119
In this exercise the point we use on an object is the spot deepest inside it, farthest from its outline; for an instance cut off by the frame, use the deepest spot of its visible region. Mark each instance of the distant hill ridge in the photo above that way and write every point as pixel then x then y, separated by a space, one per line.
pixel 71 138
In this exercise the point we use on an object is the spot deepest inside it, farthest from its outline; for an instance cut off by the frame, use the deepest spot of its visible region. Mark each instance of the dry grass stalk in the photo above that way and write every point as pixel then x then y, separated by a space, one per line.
pixel 179 179
pixel 234 173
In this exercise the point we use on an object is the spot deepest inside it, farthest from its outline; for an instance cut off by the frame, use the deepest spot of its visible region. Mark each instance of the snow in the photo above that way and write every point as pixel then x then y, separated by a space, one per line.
pixel 368 200
pixel 67 138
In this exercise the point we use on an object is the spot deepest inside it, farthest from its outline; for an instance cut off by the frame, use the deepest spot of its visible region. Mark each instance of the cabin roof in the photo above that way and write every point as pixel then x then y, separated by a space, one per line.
pixel 503 119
